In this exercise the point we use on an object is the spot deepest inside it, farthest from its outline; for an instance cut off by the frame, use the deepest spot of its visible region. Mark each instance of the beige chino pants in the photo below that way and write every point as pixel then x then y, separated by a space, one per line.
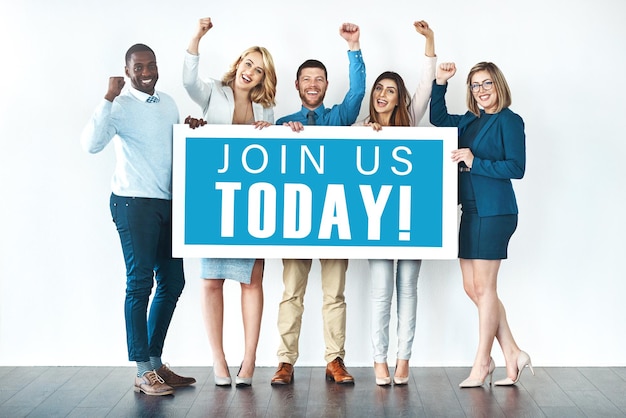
pixel 295 278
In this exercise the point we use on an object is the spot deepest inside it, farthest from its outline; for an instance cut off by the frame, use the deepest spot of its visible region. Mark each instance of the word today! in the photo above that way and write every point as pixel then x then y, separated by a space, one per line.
pixel 322 193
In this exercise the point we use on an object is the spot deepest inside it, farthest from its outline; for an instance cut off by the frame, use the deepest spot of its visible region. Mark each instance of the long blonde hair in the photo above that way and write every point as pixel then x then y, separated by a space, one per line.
pixel 499 83
pixel 265 92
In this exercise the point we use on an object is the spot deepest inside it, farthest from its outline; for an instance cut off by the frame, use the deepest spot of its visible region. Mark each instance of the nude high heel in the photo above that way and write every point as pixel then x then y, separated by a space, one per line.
pixel 221 380
pixel 476 383
pixel 382 381
pixel 401 380
pixel 242 382
pixel 523 360
pixel 397 380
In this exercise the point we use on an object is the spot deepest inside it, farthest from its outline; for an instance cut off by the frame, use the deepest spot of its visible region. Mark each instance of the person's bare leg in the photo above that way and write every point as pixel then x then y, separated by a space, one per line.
pixel 480 283
pixel 213 313
pixel 251 312
pixel 509 347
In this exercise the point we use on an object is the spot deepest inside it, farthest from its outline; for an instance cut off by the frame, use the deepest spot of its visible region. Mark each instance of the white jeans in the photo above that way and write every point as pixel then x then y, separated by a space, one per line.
pixel 382 279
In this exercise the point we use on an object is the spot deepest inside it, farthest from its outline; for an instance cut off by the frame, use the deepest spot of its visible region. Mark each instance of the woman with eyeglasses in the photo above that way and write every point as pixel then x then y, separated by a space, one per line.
pixel 491 152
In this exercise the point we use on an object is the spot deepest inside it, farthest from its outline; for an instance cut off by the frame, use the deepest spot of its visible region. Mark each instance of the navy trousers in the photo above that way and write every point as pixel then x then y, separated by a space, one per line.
pixel 145 229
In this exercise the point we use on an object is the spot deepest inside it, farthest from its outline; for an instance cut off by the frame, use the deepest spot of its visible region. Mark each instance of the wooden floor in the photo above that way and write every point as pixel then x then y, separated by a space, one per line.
pixel 107 392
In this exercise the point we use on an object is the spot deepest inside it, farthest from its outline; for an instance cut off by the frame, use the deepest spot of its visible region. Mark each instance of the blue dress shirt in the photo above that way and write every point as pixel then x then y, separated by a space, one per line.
pixel 345 113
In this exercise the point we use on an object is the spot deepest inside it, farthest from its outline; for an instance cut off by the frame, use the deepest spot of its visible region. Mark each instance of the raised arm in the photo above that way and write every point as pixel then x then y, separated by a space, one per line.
pixel 204 25
pixel 100 130
pixel 116 84
pixel 351 33
pixel 419 101
pixel 439 115
pixel 351 104
pixel 199 90
pixel 445 72
pixel 421 26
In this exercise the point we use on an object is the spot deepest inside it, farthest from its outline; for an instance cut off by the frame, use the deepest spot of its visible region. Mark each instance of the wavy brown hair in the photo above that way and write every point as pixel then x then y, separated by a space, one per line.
pixel 400 115
pixel 265 92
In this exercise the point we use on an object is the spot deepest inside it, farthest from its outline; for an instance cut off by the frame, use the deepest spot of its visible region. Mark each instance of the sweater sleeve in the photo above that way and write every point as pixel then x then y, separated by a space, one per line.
pixel 439 115
pixel 100 129
pixel 419 101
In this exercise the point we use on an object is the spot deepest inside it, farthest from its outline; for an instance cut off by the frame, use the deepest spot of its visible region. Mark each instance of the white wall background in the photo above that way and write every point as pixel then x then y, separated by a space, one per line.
pixel 61 268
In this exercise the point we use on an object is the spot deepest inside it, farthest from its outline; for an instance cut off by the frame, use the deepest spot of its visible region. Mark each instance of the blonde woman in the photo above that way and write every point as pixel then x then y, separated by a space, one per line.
pixel 244 95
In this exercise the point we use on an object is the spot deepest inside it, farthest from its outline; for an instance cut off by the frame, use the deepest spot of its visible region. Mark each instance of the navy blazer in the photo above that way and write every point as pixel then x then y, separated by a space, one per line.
pixel 499 154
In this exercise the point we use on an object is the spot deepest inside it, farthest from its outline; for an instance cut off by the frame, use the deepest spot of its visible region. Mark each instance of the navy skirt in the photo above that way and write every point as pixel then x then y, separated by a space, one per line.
pixel 485 238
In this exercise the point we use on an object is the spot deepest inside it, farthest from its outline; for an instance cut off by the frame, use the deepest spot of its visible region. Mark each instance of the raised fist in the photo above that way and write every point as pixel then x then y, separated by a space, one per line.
pixel 116 84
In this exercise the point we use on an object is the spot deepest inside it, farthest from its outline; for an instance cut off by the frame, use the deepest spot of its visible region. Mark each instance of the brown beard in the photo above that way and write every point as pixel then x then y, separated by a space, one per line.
pixel 317 103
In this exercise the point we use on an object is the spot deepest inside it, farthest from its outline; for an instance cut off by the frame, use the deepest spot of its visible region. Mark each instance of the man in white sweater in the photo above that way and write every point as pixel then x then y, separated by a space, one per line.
pixel 139 121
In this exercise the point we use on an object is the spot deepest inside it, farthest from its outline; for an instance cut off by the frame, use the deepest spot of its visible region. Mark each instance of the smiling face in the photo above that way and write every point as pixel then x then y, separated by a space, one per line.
pixel 142 71
pixel 487 99
pixel 250 71
pixel 385 97
pixel 312 85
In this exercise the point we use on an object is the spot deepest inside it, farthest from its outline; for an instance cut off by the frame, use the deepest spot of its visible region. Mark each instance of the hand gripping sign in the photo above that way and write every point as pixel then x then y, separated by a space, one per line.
pixel 324 192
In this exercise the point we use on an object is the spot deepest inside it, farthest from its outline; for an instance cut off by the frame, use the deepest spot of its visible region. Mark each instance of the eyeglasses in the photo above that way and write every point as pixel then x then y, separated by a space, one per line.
pixel 486 85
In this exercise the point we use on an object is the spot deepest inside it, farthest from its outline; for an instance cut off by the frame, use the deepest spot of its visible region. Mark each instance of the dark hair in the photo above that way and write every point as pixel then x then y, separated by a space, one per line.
pixel 137 48
pixel 311 64
pixel 400 115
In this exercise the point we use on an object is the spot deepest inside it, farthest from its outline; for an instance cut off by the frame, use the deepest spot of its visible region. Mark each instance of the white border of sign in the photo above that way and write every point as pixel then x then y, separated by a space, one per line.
pixel 448 250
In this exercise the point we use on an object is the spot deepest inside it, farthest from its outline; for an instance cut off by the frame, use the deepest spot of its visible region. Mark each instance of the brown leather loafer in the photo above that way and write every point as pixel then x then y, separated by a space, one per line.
pixel 336 371
pixel 284 375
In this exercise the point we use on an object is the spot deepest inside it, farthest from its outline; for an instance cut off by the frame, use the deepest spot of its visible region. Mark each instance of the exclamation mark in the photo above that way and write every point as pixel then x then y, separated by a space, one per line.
pixel 404 224
pixel 283 159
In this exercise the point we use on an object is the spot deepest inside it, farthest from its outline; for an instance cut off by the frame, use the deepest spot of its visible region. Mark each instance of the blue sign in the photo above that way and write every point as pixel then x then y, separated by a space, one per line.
pixel 325 192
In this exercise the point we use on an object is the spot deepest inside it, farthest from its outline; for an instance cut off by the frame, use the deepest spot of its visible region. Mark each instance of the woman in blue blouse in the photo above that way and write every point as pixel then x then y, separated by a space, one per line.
pixel 491 152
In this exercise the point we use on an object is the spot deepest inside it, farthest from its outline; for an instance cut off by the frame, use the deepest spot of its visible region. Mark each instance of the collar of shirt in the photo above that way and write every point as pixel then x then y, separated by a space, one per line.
pixel 140 95
pixel 319 111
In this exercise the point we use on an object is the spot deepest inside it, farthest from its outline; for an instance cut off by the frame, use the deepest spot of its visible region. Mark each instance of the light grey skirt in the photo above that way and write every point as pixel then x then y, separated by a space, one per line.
pixel 239 269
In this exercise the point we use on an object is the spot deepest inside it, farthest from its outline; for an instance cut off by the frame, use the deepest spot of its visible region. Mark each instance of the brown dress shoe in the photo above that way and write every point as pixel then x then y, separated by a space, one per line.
pixel 336 371
pixel 152 384
pixel 173 379
pixel 284 374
